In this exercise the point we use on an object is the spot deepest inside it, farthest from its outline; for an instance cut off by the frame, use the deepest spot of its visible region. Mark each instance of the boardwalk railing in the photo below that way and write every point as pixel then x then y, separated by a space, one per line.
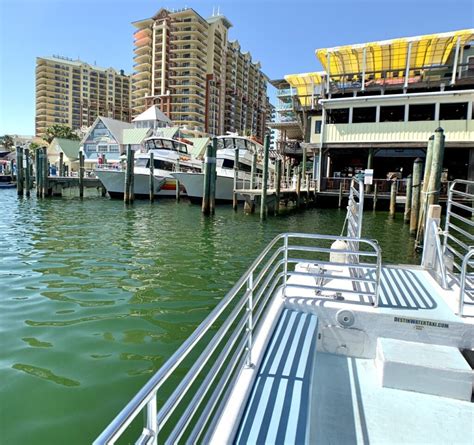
pixel 184 399
pixel 286 183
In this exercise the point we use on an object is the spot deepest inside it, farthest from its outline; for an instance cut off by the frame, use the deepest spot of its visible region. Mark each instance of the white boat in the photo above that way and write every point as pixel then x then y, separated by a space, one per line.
pixel 320 343
pixel 225 157
pixel 167 154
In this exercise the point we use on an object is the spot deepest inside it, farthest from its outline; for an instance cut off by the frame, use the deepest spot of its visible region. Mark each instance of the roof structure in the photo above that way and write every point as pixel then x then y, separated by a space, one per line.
pixel 168 132
pixel 199 146
pixel 304 84
pixel 115 126
pixel 387 57
pixel 153 114
pixel 69 147
pixel 135 136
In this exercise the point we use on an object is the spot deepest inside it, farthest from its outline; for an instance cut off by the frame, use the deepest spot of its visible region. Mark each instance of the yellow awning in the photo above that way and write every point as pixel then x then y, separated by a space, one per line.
pixel 304 84
pixel 389 58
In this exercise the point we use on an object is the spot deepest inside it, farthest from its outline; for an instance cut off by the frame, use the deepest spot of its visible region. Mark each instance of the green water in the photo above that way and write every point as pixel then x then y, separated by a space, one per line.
pixel 95 296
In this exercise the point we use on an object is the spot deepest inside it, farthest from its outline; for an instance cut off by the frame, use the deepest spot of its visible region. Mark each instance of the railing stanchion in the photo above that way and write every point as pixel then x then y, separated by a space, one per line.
pixel 151 420
pixel 285 265
pixel 250 319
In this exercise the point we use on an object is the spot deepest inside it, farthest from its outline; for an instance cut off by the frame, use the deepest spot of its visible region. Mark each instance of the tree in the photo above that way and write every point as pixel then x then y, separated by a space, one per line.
pixel 34 146
pixel 59 131
pixel 8 142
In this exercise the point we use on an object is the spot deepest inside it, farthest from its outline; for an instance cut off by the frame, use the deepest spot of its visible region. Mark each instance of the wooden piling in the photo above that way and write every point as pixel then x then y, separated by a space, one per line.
pixel 27 172
pixel 236 176
pixel 37 171
pixel 406 214
pixel 132 175
pixel 127 199
pixel 263 202
pixel 152 177
pixel 303 172
pixel 81 174
pixel 341 187
pixel 19 170
pixel 45 181
pixel 374 203
pixel 278 168
pixel 415 195
pixel 213 178
pixel 426 180
pixel 61 163
pixel 436 167
pixel 370 162
pixel 178 191
pixel 205 208
pixel 393 198
pixel 298 187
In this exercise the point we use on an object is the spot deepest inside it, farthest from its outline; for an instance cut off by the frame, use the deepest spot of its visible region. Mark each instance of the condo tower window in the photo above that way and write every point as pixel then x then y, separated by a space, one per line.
pixel 421 112
pixel 394 113
pixel 363 114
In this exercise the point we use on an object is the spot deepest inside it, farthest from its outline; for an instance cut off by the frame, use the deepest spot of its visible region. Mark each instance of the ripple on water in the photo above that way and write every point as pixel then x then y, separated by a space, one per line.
pixel 97 295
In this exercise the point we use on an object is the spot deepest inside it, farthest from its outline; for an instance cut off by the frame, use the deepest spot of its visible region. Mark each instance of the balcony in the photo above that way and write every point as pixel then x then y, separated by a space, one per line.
pixel 396 132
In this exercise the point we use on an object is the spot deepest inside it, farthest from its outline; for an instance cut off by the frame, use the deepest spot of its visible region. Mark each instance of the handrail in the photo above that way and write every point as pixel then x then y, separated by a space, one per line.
pixel 433 234
pixel 249 296
pixel 462 283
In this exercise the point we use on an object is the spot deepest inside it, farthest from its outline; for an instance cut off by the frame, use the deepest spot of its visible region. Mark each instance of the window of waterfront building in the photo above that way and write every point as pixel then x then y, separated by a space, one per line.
pixel 454 111
pixel 394 113
pixel 317 127
pixel 421 112
pixel 363 114
pixel 338 116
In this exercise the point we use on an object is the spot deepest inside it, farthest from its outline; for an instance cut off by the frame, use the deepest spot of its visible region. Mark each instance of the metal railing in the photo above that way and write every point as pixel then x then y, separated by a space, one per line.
pixel 221 345
pixel 466 282
pixel 459 236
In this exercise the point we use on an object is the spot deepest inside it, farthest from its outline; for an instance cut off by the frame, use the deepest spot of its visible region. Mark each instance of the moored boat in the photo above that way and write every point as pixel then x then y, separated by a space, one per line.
pixel 225 158
pixel 167 154
pixel 6 182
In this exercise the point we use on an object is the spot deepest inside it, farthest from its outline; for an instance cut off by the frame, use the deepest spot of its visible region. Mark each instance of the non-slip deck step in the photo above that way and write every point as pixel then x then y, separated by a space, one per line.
pixel 430 369
pixel 277 411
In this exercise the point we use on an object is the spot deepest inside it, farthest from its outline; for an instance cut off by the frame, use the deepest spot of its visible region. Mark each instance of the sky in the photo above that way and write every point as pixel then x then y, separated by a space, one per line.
pixel 282 35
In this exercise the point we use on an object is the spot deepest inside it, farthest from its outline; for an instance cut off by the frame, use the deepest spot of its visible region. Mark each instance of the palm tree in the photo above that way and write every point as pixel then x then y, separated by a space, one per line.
pixel 8 142
pixel 59 131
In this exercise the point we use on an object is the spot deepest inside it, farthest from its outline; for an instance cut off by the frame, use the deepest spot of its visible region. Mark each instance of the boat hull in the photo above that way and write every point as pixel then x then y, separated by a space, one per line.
pixel 194 183
pixel 114 183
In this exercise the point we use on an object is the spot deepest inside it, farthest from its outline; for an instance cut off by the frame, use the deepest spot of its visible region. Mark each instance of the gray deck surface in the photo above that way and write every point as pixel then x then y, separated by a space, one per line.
pixel 277 411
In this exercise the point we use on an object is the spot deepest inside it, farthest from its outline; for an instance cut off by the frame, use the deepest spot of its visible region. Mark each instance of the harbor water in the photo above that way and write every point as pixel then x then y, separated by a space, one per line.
pixel 95 296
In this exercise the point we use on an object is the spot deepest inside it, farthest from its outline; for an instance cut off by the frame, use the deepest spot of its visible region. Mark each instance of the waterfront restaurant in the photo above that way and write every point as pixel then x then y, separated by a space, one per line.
pixel 376 105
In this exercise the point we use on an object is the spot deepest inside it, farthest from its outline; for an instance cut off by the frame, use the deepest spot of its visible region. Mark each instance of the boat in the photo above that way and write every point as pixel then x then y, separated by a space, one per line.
pixel 225 157
pixel 320 342
pixel 6 182
pixel 168 154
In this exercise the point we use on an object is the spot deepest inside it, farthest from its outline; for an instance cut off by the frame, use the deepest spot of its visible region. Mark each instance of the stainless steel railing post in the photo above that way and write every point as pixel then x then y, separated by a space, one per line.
pixel 462 282
pixel 151 420
pixel 285 265
pixel 249 319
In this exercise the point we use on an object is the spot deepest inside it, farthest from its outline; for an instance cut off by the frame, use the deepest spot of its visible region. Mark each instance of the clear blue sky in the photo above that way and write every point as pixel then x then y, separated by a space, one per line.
pixel 281 34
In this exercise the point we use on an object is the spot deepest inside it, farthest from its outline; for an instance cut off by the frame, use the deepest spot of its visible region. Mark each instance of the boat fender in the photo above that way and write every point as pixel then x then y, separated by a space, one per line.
pixel 345 318
pixel 336 257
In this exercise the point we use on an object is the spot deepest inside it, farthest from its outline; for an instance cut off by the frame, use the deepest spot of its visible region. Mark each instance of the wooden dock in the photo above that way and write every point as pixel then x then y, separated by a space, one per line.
pixel 57 184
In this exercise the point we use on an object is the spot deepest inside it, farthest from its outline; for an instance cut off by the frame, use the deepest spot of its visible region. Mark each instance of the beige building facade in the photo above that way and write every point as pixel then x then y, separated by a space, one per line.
pixel 186 65
pixel 74 93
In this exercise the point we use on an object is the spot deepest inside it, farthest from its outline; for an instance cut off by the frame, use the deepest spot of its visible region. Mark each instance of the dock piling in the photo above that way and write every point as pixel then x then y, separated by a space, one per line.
pixel 45 166
pixel 406 214
pixel 27 172
pixel 19 170
pixel 436 167
pixel 81 174
pixel 209 177
pixel 213 178
pixel 374 203
pixel 61 164
pixel 236 175
pixel 304 166
pixel 178 191
pixel 393 198
pixel 253 171
pixel 415 195
pixel 278 168
pixel 298 187
pixel 339 204
pixel 37 171
pixel 152 177
pixel 263 203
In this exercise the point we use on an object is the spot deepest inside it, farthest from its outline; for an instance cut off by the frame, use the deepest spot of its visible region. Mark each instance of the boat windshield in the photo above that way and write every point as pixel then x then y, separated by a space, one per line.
pixel 166 144
pixel 157 163
pixel 233 142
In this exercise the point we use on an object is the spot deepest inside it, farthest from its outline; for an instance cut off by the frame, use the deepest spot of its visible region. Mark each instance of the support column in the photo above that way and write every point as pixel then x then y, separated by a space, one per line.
pixel 436 167
pixel 393 198
pixel 406 215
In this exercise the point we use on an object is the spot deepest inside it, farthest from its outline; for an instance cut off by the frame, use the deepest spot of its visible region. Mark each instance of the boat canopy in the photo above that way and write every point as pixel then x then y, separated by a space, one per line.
pixel 307 85
pixel 391 58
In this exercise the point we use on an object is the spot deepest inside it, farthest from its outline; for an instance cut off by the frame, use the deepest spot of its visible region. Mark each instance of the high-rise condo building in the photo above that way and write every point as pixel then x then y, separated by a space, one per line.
pixel 74 93
pixel 186 65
